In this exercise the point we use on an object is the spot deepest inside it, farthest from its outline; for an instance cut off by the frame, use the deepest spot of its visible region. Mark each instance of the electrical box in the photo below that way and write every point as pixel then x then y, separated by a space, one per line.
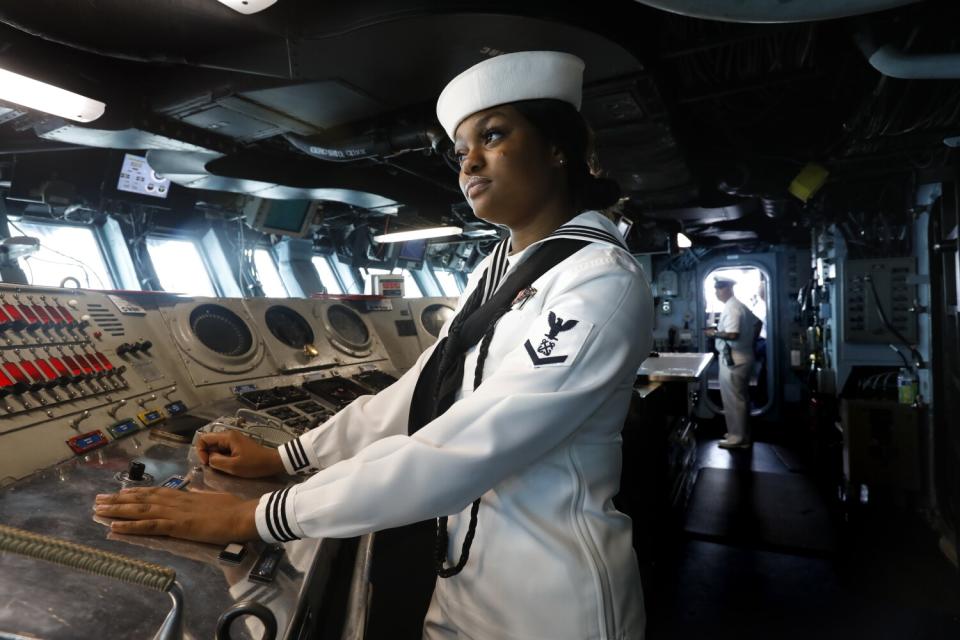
pixel 889 282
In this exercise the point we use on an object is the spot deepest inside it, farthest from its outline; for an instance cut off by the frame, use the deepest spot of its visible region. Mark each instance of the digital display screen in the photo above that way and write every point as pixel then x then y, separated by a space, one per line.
pixel 286 215
pixel 412 250
pixel 624 227
pixel 136 176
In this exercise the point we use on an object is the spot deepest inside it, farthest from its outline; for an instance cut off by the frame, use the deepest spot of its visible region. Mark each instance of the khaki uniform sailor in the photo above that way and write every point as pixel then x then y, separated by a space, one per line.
pixel 735 345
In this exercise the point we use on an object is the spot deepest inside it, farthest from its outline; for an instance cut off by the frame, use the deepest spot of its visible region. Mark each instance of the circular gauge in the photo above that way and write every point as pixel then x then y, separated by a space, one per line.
pixel 434 317
pixel 348 331
pixel 288 326
pixel 221 330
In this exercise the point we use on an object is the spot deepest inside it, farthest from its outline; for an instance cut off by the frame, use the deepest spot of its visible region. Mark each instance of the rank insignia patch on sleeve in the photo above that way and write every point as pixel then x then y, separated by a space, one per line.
pixel 556 340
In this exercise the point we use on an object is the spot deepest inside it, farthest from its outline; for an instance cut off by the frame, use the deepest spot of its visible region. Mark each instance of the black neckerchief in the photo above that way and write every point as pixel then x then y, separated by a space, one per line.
pixel 442 375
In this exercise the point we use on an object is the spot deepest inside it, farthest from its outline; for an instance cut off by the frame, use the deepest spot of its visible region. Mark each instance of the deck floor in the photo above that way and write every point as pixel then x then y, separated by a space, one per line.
pixel 885 580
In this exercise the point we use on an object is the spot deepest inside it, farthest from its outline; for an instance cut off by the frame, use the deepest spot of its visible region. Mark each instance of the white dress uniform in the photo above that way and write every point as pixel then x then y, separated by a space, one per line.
pixel 735 379
pixel 539 440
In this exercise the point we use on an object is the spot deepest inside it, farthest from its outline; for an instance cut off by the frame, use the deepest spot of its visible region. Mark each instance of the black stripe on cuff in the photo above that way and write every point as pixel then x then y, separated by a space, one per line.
pixel 283 522
pixel 303 452
pixel 269 512
pixel 296 454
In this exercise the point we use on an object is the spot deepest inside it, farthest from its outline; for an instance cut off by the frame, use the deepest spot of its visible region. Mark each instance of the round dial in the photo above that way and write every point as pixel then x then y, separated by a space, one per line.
pixel 288 326
pixel 434 316
pixel 221 330
pixel 348 326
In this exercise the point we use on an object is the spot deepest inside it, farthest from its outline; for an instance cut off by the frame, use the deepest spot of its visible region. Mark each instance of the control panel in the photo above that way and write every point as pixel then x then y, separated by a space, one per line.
pixel 101 391
pixel 878 290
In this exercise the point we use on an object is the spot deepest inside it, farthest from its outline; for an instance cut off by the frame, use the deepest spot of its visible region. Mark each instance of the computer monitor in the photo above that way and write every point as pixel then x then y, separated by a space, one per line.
pixel 137 177
pixel 412 252
pixel 283 217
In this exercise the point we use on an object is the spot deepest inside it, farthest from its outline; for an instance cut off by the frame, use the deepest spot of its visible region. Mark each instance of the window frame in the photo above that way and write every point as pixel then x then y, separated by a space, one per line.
pixel 337 276
pixel 276 266
pixel 198 245
pixel 113 272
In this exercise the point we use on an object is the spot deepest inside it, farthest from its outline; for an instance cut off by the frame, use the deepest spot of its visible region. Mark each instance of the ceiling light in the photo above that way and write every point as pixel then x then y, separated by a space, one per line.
pixel 41 96
pixel 683 242
pixel 419 234
pixel 247 7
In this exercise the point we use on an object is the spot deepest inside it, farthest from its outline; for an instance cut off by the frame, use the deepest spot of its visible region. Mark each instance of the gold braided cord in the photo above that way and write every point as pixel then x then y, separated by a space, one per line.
pixel 84 558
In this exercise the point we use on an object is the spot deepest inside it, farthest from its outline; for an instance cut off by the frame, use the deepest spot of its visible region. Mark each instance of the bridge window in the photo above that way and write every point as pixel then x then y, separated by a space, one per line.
pixel 448 283
pixel 327 277
pixel 410 287
pixel 269 275
pixel 66 251
pixel 180 266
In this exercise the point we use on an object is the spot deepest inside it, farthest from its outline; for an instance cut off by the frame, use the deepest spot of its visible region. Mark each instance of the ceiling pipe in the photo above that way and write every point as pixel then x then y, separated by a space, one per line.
pixel 892 61
pixel 773 11
pixel 377 144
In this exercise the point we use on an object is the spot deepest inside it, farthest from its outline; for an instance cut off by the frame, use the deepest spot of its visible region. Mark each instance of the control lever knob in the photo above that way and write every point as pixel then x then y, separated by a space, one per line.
pixel 135 471
pixel 124 348
pixel 145 345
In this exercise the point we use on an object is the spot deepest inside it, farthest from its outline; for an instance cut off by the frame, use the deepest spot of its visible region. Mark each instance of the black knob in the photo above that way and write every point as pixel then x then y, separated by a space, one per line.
pixel 135 472
pixel 20 387
pixel 124 347
pixel 145 345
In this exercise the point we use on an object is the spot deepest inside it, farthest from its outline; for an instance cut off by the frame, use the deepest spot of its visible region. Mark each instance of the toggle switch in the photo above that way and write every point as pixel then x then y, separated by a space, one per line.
pixel 115 408
pixel 143 401
pixel 75 423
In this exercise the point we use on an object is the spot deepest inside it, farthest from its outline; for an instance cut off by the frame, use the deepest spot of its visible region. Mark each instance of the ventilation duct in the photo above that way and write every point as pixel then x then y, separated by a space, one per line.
pixel 190 170
pixel 772 11
pixel 377 144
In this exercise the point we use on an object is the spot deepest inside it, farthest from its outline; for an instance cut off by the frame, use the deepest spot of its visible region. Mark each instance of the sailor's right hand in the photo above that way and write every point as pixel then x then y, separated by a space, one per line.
pixel 234 453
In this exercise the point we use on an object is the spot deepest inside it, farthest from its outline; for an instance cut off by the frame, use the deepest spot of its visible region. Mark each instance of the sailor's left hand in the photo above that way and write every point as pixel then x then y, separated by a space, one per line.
pixel 203 516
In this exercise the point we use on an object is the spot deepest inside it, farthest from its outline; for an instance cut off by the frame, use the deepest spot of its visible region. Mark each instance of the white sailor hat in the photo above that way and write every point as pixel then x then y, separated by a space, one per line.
pixel 511 77
pixel 720 282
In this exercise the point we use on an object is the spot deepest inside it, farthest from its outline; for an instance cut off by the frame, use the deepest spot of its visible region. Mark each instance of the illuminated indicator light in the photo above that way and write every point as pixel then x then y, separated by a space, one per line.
pixel 52 378
pixel 92 359
pixel 31 370
pixel 87 441
pixel 105 361
pixel 16 320
pixel 59 366
pixel 6 385
pixel 29 314
pixel 76 373
pixel 66 315
pixel 42 314
pixel 20 382
pixel 87 369
pixel 54 315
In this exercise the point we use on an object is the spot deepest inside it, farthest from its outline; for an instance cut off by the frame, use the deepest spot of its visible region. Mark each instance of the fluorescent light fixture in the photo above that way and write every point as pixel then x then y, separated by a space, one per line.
pixel 247 7
pixel 41 96
pixel 419 234
pixel 683 242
